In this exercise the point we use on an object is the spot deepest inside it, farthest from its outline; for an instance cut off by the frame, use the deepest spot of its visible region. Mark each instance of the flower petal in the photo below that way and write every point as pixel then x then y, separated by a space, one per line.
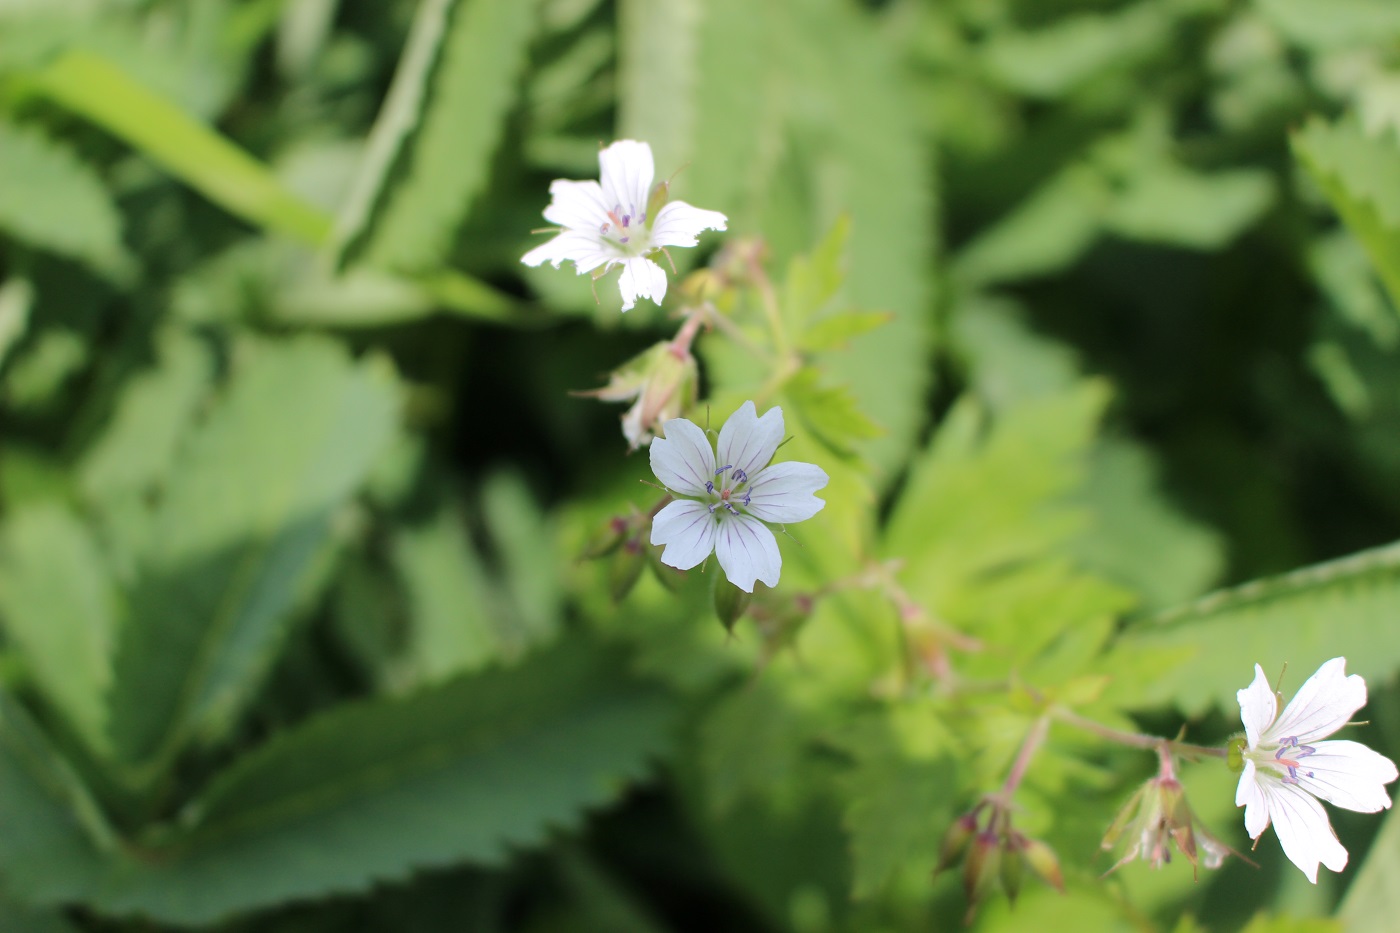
pixel 1324 704
pixel 584 251
pixel 1302 828
pixel 747 442
pixel 1258 708
pixel 679 224
pixel 683 460
pixel 1250 795
pixel 747 551
pixel 641 278
pixel 783 492
pixel 1347 774
pixel 626 168
pixel 577 205
pixel 687 528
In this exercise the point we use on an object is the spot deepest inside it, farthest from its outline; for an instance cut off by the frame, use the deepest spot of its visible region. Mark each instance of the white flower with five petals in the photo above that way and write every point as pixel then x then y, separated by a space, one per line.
pixel 1286 767
pixel 728 504
pixel 605 225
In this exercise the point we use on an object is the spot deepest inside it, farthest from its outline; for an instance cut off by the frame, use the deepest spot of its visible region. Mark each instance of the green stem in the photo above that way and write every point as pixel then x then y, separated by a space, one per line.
pixel 1138 739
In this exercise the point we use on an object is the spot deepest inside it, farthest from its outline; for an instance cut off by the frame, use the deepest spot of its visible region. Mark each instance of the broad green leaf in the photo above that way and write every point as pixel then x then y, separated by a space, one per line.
pixel 829 412
pixel 467 771
pixel 448 161
pixel 1208 649
pixel 58 609
pixel 1052 61
pixel 522 540
pixel 150 418
pixel 37 375
pixel 751 744
pixel 659 76
pixel 52 200
pixel 1007 362
pixel 1169 204
pixel 1361 177
pixel 16 302
pixel 244 519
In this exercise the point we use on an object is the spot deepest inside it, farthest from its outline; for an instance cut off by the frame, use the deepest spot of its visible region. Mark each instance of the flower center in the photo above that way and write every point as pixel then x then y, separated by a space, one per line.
pixel 730 490
pixel 1295 753
pixel 626 228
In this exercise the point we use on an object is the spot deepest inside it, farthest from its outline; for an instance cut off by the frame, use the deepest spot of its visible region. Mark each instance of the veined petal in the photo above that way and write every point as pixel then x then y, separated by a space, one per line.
pixel 683 459
pixel 747 442
pixel 783 492
pixel 747 551
pixel 626 168
pixel 641 278
pixel 1250 795
pixel 1324 704
pixel 679 224
pixel 1258 707
pixel 577 205
pixel 1303 829
pixel 586 252
pixel 1347 774
pixel 687 528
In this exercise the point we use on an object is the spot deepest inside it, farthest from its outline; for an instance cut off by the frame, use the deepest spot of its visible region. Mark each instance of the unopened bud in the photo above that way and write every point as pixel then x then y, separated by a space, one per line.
pixel 606 540
pixel 730 603
pixel 1043 861
pixel 1012 862
pixel 625 569
pixel 660 194
pixel 955 841
pixel 982 870
pixel 662 381
pixel 669 577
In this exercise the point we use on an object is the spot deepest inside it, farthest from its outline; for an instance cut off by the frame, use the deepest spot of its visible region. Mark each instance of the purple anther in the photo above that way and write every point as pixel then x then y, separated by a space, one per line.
pixel 746 500
pixel 740 476
pixel 627 220
pixel 713 506
pixel 728 466
pixel 642 219
pixel 709 487
pixel 624 239
pixel 603 229
pixel 731 508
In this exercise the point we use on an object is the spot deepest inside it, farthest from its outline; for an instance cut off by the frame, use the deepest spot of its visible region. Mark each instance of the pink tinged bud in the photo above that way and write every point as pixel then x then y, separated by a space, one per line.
pixel 982 870
pixel 608 539
pixel 730 603
pixel 955 841
pixel 1012 863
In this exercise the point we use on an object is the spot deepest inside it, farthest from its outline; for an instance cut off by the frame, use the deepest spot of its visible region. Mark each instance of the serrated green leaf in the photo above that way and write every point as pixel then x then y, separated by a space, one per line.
pixel 831 413
pixel 899 794
pixel 448 161
pixel 750 745
pixel 150 417
pixel 374 791
pixel 813 279
pixel 52 200
pixel 835 331
pixel 244 520
pixel 57 608
pixel 1372 901
pixel 1340 608
pixel 1361 177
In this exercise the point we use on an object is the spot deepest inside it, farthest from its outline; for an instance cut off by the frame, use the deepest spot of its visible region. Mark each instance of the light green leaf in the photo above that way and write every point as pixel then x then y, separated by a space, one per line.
pixel 1168 204
pixel 1340 23
pixel 1372 900
pixel 1361 177
pixel 814 279
pixel 244 519
pixel 831 413
pixel 1344 608
pixel 751 744
pixel 150 418
pixel 52 200
pixel 374 791
pixel 659 76
pixel 448 161
pixel 16 302
pixel 834 331
pixel 58 610
pixel 523 542
pixel 1052 61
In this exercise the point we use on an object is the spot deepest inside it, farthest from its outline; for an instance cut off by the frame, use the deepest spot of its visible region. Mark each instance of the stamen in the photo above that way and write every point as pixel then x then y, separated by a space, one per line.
pixel 713 506
pixel 709 487
pixel 626 220
pixel 746 499
pixel 728 466
pixel 604 229
pixel 642 219
pixel 730 507
pixel 740 476
pixel 624 239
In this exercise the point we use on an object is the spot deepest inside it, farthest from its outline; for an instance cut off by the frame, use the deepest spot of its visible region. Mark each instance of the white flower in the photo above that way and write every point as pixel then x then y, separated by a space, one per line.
pixel 1286 767
pixel 732 501
pixel 607 225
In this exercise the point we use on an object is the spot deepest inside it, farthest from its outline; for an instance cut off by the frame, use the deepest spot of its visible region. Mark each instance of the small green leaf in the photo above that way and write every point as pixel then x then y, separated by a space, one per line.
pixel 52 200
pixel 814 279
pixel 58 610
pixel 1169 204
pixel 835 331
pixel 829 412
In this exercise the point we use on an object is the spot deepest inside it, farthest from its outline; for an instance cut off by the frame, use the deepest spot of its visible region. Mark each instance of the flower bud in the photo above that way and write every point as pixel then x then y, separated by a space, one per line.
pixel 1158 816
pixel 730 603
pixel 955 841
pixel 1012 861
pixel 1043 861
pixel 607 539
pixel 982 869
pixel 669 577
pixel 625 569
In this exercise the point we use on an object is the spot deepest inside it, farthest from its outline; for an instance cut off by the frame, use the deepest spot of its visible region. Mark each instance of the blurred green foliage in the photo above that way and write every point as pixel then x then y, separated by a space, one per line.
pixel 1095 308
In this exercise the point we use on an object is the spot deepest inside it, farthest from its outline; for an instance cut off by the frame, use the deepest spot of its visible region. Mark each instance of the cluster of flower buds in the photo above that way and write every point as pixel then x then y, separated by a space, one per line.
pixel 1158 816
pixel 623 541
pixel 995 854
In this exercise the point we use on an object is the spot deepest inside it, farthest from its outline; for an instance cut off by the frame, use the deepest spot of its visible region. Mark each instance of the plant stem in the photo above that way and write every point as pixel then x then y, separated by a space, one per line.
pixel 1138 739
